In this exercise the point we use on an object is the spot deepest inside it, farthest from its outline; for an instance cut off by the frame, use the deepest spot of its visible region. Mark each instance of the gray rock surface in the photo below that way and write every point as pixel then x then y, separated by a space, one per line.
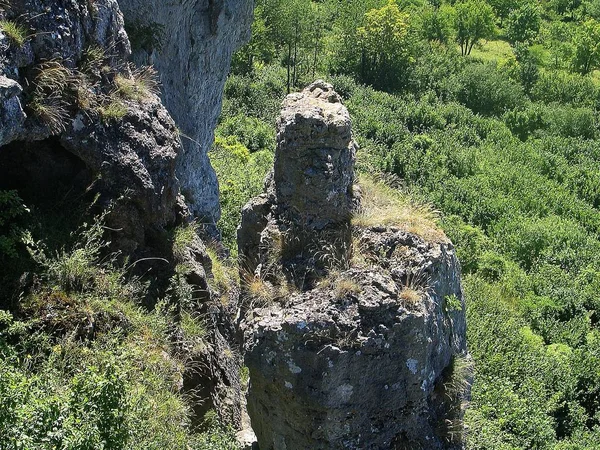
pixel 353 365
pixel 133 159
pixel 308 199
pixel 314 159
pixel 367 349
pixel 12 115
pixel 191 48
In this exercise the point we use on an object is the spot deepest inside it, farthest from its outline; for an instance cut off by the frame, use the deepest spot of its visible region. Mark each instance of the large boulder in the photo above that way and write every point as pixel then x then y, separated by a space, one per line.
pixel 361 361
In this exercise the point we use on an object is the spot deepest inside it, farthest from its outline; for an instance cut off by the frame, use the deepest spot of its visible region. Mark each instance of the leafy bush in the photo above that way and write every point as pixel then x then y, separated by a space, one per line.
pixel 487 90
pixel 241 176
pixel 254 134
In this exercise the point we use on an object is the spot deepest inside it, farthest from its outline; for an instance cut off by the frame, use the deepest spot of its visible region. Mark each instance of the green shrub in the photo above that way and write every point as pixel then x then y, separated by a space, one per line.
pixel 487 90
pixel 253 133
pixel 241 175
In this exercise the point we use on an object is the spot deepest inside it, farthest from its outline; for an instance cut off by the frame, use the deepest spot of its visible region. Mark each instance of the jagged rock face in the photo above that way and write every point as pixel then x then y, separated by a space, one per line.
pixel 193 57
pixel 358 367
pixel 133 158
pixel 314 159
pixel 371 353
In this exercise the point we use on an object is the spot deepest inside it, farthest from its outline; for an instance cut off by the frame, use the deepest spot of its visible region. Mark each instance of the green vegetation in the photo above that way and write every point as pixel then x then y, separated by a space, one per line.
pixel 15 32
pixel 83 365
pixel 493 120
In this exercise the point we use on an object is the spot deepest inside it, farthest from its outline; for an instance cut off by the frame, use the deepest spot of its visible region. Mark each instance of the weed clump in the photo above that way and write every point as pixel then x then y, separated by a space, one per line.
pixel 142 84
pixel 15 32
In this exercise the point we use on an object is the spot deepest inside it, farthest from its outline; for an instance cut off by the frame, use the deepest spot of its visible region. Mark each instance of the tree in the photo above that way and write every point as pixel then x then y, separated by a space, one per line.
pixel 384 41
pixel 524 23
pixel 502 8
pixel 587 47
pixel 260 47
pixel 564 7
pixel 474 20
pixel 288 22
pixel 436 23
pixel 348 17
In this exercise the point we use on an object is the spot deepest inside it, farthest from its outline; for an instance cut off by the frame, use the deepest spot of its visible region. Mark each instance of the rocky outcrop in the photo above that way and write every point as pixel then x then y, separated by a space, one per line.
pixel 190 43
pixel 77 122
pixel 131 158
pixel 371 352
pixel 309 197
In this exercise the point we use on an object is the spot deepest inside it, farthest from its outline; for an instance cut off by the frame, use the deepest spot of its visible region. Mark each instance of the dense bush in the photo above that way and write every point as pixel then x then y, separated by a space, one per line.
pixel 487 90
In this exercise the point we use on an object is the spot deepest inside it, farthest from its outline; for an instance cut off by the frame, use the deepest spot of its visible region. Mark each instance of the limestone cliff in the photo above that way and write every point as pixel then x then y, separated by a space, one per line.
pixel 190 43
pixel 354 333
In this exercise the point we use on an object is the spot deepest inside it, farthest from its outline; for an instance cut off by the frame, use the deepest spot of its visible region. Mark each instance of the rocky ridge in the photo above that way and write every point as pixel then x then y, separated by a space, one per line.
pixel 354 336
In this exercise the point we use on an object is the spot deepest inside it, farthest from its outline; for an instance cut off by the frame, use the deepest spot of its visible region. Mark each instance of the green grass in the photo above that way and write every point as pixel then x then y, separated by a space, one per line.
pixel 15 32
pixel 115 110
pixel 493 50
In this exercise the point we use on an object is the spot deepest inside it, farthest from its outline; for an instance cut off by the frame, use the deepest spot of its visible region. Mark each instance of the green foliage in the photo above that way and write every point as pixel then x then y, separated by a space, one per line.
pixel 386 48
pixel 145 36
pixel 587 47
pixel 241 175
pixel 436 23
pixel 523 23
pixel 253 133
pixel 474 20
pixel 487 90
pixel 15 32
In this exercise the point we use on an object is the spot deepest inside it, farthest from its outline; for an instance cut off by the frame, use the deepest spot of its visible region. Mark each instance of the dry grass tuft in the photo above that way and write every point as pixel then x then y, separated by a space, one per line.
pixel 51 111
pixel 260 292
pixel 410 296
pixel 383 205
pixel 342 287
pixel 142 84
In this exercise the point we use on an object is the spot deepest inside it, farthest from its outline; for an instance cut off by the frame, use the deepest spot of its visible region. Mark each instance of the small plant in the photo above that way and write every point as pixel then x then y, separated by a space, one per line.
pixel 452 303
pixel 409 296
pixel 415 288
pixel 142 84
pixel 342 287
pixel 15 32
pixel 48 97
pixel 113 111
pixel 194 331
pixel 259 292
pixel 183 238
pixel 224 277
pixel 51 111
pixel 92 60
